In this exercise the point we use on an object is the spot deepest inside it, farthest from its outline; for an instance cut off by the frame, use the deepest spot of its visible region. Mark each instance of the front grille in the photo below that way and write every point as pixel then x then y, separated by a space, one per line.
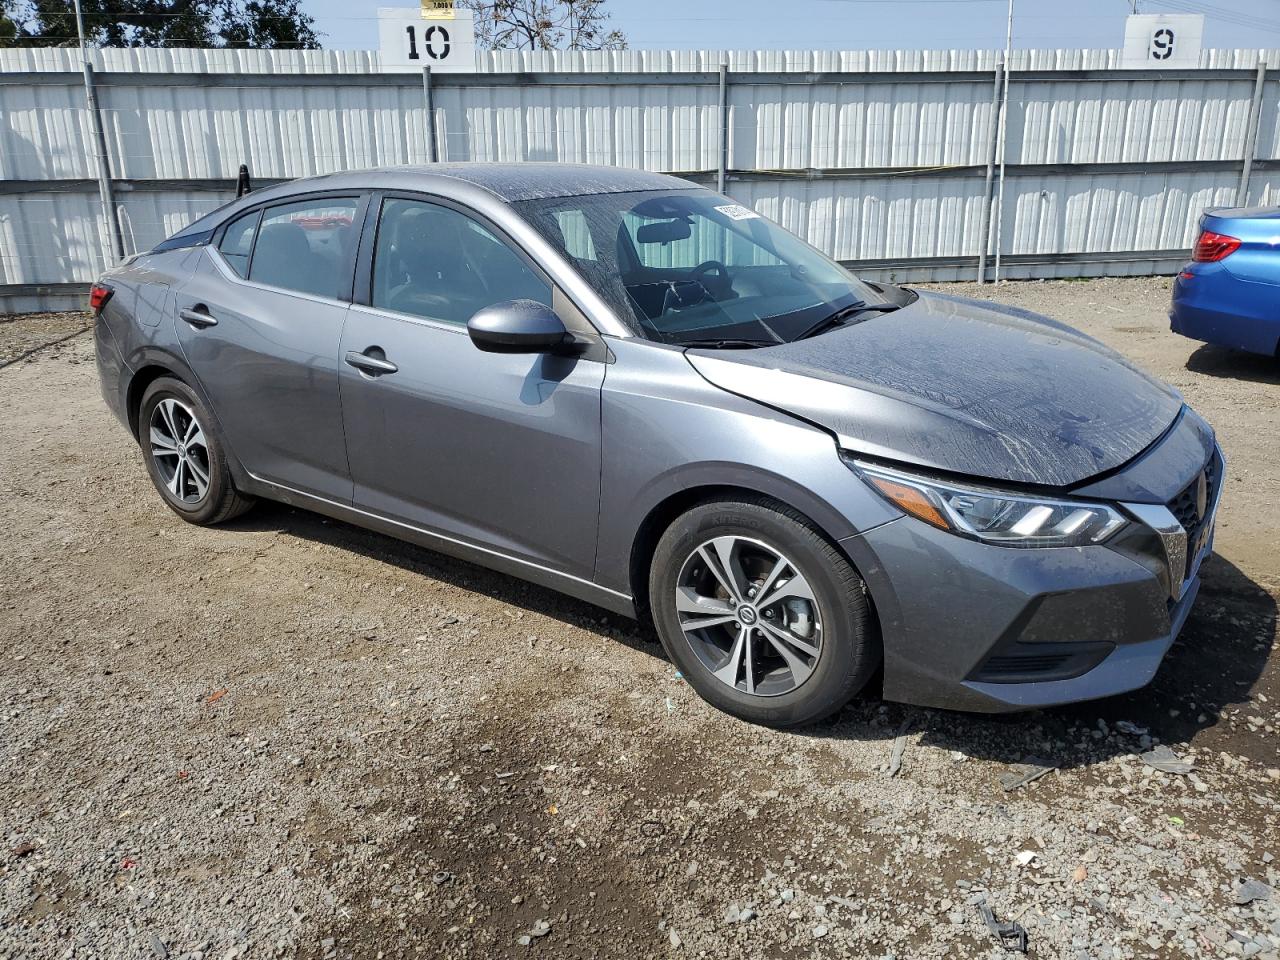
pixel 1186 508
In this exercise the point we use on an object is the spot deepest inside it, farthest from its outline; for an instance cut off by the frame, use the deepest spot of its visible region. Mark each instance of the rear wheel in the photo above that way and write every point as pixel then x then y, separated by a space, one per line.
pixel 764 616
pixel 185 456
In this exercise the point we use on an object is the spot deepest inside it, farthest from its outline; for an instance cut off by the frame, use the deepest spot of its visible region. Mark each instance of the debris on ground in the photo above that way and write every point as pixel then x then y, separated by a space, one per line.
pixel 1010 935
pixel 1020 774
pixel 899 747
pixel 540 929
pixel 1163 758
pixel 1248 890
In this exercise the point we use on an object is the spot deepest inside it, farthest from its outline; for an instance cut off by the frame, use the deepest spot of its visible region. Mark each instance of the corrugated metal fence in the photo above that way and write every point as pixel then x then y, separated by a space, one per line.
pixel 878 157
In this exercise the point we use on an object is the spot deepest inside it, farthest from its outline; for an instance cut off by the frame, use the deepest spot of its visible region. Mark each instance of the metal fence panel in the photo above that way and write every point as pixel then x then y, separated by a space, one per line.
pixel 875 156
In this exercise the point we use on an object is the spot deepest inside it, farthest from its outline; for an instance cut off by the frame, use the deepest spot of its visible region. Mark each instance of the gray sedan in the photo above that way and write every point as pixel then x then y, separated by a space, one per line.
pixel 645 395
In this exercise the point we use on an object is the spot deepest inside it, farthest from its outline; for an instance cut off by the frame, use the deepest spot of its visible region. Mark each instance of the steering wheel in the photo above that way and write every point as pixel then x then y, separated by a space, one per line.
pixel 704 273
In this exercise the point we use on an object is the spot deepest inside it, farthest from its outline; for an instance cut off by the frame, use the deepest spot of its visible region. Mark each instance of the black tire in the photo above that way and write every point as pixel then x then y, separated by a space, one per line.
pixel 220 501
pixel 850 649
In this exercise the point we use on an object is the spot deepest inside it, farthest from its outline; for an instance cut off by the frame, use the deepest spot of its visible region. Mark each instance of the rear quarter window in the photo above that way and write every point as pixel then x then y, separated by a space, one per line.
pixel 237 242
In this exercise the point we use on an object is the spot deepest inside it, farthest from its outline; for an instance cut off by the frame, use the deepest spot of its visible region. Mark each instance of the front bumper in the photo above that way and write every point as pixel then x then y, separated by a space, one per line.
pixel 973 626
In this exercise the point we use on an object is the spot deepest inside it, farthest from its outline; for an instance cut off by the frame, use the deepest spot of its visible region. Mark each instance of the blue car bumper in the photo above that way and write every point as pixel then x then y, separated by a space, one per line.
pixel 1211 303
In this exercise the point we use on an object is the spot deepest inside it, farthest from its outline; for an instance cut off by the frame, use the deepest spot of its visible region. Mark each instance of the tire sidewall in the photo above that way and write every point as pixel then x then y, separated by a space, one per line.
pixel 219 475
pixel 850 649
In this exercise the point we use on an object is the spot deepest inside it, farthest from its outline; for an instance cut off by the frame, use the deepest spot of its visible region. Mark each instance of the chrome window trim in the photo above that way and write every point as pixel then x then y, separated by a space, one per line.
pixel 443 325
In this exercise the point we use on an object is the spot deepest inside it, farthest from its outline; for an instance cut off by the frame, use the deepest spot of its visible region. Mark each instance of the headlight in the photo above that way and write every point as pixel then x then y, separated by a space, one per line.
pixel 994 516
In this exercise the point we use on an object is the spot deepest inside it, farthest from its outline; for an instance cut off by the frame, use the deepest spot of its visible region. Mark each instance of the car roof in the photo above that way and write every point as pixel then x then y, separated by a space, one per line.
pixel 529 181
pixel 507 181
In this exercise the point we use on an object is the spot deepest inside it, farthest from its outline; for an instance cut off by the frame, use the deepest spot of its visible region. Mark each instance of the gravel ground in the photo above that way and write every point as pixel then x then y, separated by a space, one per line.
pixel 290 737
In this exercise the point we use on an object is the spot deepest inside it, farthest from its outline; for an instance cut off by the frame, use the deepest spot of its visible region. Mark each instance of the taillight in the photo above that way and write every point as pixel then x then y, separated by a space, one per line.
pixel 99 294
pixel 1212 247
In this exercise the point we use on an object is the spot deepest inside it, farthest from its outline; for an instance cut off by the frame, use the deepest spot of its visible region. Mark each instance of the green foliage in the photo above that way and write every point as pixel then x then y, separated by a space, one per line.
pixel 256 24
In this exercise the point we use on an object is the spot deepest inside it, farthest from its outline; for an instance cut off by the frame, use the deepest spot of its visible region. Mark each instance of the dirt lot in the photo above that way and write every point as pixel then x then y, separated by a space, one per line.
pixel 291 737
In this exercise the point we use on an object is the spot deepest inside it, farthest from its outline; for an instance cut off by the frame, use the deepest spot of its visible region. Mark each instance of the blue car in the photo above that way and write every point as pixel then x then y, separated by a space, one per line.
pixel 1229 293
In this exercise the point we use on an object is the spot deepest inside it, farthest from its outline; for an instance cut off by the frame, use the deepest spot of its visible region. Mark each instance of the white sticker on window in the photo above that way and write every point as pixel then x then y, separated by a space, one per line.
pixel 736 211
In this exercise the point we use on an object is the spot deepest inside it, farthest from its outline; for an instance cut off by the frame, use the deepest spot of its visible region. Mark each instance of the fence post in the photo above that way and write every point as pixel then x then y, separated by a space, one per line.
pixel 432 153
pixel 1251 135
pixel 984 228
pixel 723 162
pixel 112 224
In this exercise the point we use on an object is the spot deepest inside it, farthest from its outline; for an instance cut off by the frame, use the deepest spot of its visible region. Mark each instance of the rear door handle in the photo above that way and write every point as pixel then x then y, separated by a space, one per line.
pixel 373 365
pixel 198 318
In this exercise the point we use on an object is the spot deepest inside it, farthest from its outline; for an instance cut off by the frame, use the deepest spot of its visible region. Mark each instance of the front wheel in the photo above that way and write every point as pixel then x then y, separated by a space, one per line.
pixel 766 619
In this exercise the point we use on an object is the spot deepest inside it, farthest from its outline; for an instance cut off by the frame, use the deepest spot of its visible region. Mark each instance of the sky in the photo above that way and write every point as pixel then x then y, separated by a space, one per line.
pixel 864 24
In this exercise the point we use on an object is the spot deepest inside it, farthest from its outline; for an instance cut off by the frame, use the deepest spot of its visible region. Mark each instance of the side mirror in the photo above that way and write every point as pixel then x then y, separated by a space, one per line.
pixel 519 326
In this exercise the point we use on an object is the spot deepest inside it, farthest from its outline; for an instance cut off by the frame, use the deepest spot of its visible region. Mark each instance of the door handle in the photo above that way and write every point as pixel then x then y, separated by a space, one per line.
pixel 371 365
pixel 198 318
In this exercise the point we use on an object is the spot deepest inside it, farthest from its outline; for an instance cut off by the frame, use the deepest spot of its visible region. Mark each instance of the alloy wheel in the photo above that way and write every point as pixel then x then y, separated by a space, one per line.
pixel 749 615
pixel 179 450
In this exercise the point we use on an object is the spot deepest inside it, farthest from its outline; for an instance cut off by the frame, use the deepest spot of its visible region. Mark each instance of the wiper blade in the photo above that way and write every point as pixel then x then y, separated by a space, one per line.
pixel 846 315
pixel 727 343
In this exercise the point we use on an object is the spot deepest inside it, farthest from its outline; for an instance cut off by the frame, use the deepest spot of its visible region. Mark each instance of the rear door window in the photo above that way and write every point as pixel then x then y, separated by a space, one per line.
pixel 307 246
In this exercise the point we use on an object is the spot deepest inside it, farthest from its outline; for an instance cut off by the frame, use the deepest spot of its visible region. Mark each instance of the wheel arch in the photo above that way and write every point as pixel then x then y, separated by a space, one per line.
pixel 663 514
pixel 138 384
pixel 148 367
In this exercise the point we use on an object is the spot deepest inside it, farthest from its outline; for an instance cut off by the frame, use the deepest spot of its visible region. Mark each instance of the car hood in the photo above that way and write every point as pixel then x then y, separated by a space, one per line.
pixel 961 386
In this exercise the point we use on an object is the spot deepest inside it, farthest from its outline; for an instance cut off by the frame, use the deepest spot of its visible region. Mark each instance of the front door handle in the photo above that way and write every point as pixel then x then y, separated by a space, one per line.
pixel 198 318
pixel 370 364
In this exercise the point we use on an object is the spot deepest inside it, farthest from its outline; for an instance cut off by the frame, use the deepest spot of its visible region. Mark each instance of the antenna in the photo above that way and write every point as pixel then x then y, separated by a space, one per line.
pixel 243 184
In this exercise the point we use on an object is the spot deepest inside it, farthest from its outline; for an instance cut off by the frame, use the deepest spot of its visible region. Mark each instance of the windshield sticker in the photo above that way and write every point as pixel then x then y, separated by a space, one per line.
pixel 736 211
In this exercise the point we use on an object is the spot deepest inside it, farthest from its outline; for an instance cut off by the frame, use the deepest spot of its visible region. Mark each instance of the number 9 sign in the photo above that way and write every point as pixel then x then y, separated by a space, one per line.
pixel 1162 41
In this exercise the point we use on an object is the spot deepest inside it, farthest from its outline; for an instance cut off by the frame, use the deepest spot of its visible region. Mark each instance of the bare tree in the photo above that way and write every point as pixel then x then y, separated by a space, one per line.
pixel 543 25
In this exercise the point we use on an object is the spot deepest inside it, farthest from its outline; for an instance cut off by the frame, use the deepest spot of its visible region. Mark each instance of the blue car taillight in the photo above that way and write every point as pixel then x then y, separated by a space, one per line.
pixel 1212 247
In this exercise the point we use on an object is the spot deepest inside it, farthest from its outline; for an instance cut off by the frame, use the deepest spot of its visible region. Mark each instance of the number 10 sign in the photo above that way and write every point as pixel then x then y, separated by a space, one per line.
pixel 408 42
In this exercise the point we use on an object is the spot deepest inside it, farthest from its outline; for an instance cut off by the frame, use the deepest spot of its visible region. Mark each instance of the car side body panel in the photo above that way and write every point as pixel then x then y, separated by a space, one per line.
pixel 270 367
pixel 666 431
pixel 454 439
pixel 135 327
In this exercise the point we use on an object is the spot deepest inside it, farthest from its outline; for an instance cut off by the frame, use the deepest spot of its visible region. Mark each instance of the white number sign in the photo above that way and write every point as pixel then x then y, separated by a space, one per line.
pixel 408 42
pixel 1155 40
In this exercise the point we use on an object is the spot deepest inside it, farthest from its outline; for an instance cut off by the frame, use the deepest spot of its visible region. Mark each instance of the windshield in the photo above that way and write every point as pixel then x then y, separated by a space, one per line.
pixel 691 265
